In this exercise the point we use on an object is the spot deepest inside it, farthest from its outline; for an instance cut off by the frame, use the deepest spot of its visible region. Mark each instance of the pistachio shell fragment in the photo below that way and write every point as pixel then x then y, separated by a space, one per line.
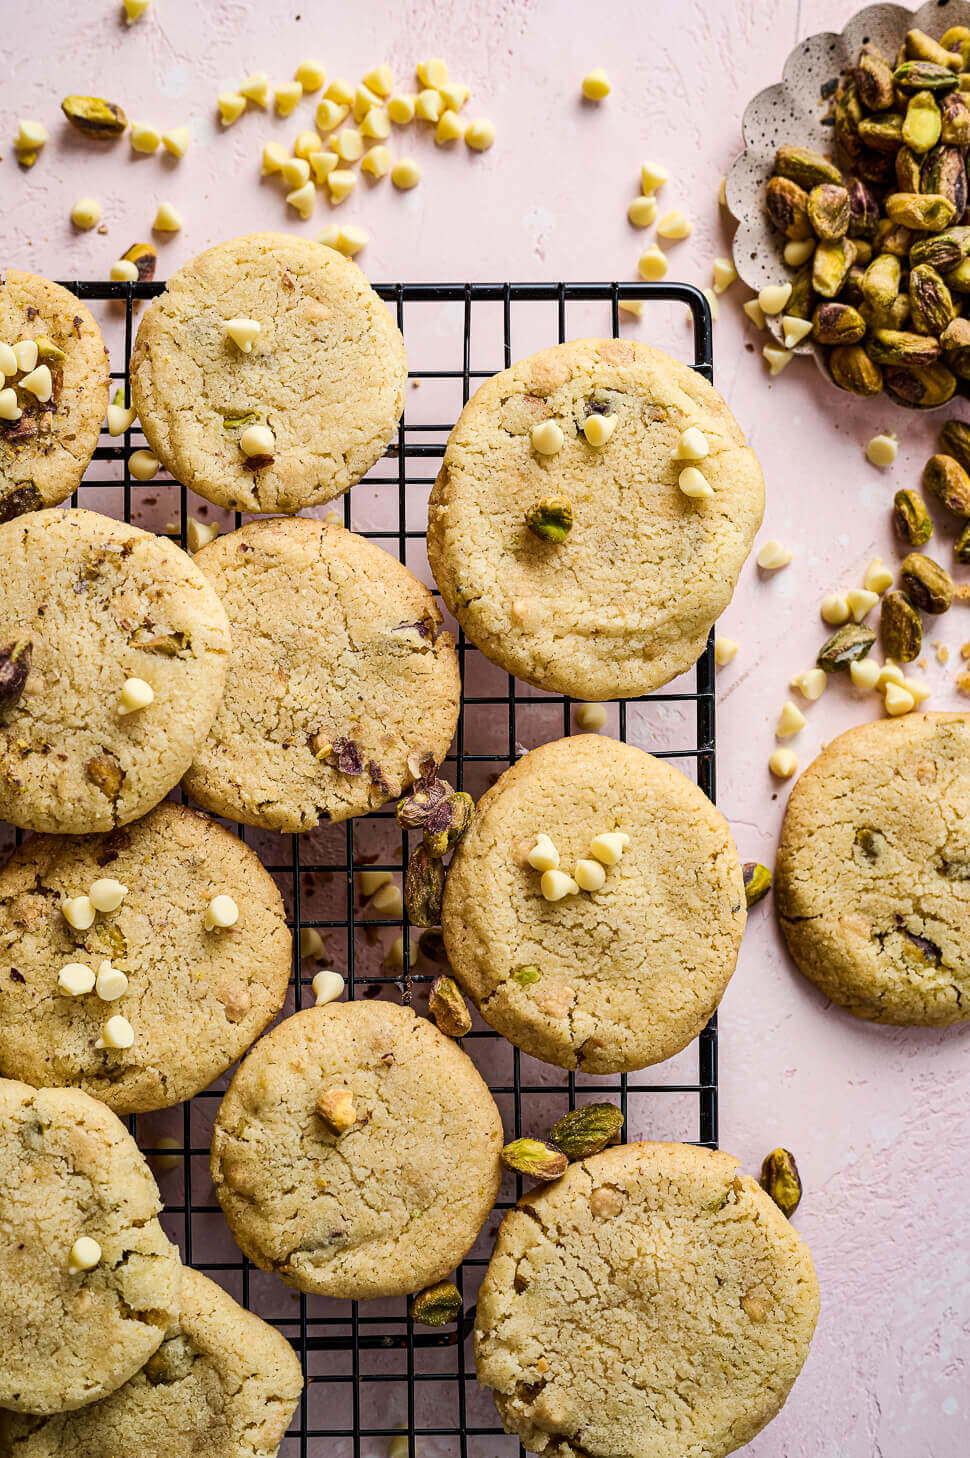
pixel 534 1157
pixel 947 480
pixel 757 882
pixel 781 1180
pixel 438 1305
pixel 448 1008
pixel 846 645
pixel 912 521
pixel 587 1130
pixel 900 628
pixel 927 585
pixel 94 116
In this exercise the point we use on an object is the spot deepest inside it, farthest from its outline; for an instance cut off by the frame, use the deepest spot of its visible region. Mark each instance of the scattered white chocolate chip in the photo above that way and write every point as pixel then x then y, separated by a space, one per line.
pixel 400 1446
pixel 773 556
pixel 860 601
pixel 348 144
pixel 675 224
pixel 652 176
pixel 724 274
pixel 794 329
pixel 339 91
pixel 38 383
pixel 231 106
pixel 547 438
pixel 322 164
pixel 144 138
pixel 725 650
pixel 428 105
pixel 596 84
pixel 890 673
pixel 590 875
pixel 642 211
pixel 75 979
pixel 918 690
pixel 479 134
pixel 222 911
pixel 295 171
pixel 176 141
pixel 377 125
pixel 791 720
pixel 25 353
pixel 722 193
pixel 364 101
pixel 31 136
pixel 864 673
pixel 327 986
pixel 799 251
pixel 257 440
pixel 591 718
pixel 143 465
pixel 86 213
pixel 898 700
pixel 370 881
pixel 8 360
pixel 9 409
pixel 116 1033
pixel 134 9
pixel 693 445
pixel 543 856
pixel 311 75
pixel 330 114
pixel 123 271
pixel 811 684
pixel 85 1255
pixel 388 901
pixel 609 846
pixel 166 1161
pixel 693 483
pixel 307 143
pixel 312 945
pixel 78 912
pixel 376 162
pixel 834 609
pixel 136 694
pixel 255 88
pixel 783 763
pixel 882 450
pixel 631 306
pixel 380 80
pixel 107 894
pixel 167 219
pixel 395 953
pixel 340 184
pixel 755 313
pixel 556 884
pixel 652 264
pixel 776 359
pixel 274 159
pixel 243 332
pixel 454 94
pixel 879 577
pixel 450 128
pixel 111 983
pixel 598 428
pixel 774 297
pixel 303 199
pixel 287 97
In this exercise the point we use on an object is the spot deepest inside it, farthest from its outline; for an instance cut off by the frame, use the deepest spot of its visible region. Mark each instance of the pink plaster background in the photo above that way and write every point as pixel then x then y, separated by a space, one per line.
pixel 876 1116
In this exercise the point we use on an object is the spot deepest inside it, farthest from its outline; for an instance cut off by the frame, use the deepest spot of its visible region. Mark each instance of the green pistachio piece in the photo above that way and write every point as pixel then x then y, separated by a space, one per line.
pixel 144 256
pixel 239 422
pixel 448 1008
pixel 955 344
pixel 587 1130
pixel 171 1363
pixel 847 117
pixel 781 1180
pixel 930 301
pixel 828 210
pixel 837 323
pixel 928 586
pixel 802 298
pixel 900 628
pixel 757 882
pixel 853 370
pixel 874 79
pixel 551 519
pixel 922 123
pixel 438 1305
pixel 93 116
pixel 534 1157
pixel 924 388
pixel 946 479
pixel 525 976
pixel 807 168
pixel 846 645
pixel 48 352
pixel 787 205
pixel 911 519
pixel 923 76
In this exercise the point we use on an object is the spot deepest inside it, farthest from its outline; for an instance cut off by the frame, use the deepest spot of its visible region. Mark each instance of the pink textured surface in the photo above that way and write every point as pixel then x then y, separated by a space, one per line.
pixel 876 1116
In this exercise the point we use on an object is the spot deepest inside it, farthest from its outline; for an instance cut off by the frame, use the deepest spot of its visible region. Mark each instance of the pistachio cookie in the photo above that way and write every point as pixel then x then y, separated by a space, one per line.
pixel 872 865
pixel 558 533
pixel 89 1284
pixel 112 665
pixel 223 1383
pixel 342 683
pixel 594 910
pixel 96 928
pixel 653 1302
pixel 53 392
pixel 269 376
pixel 356 1152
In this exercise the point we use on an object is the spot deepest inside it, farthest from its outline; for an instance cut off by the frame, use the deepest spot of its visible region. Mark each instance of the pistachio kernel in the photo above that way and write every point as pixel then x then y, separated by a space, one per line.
pixel 587 1130
pixel 912 521
pixel 14 670
pixel 336 1108
pixel 927 585
pixel 846 645
pixel 525 976
pixel 412 812
pixel 534 1157
pixel 781 1180
pixel 93 116
pixel 424 885
pixel 171 1363
pixel 448 1008
pixel 757 882
pixel 438 1305
pixel 551 519
pixel 447 823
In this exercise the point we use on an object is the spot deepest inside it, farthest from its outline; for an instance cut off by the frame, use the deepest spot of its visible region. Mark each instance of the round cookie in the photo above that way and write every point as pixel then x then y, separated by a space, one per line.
pixel 222 1383
pixel 389 1206
pixel 196 998
pixel 342 683
pixel 872 886
pixel 100 602
pixel 626 602
pixel 44 453
pixel 652 1302
pixel 612 979
pixel 326 373
pixel 69 1170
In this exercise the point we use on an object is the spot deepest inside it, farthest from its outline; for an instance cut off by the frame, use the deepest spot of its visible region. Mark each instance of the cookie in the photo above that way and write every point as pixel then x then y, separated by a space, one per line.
pixel 342 682
pixel 195 998
pixel 88 604
pixel 88 1282
pixel 222 1383
pixel 653 1301
pixel 325 373
pixel 607 979
pixel 45 451
pixel 625 602
pixel 388 1206
pixel 872 886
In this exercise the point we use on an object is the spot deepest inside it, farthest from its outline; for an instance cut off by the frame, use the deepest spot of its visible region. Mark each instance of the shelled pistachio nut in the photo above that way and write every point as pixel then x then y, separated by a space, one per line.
pixel 908 167
pixel 883 133
pixel 955 112
pixel 928 586
pixel 781 1180
pixel 863 209
pixel 534 1157
pixel 551 519
pixel 961 547
pixel 944 250
pixel 955 344
pixel 448 1008
pixel 902 347
pixel 809 169
pixel 587 1130
pixel 853 370
pixel 757 881
pixel 955 442
pixel 920 212
pixel 846 645
pixel 15 661
pixel 438 1305
pixel 923 76
pixel 930 301
pixel 921 47
pixel 944 173
pixel 946 479
pixel 874 79
pixel 144 256
pixel 924 387
pixel 900 628
pixel 912 521
pixel 837 323
pixel 922 123
pixel 830 266
pixel 787 205
pixel 94 117
pixel 424 885
pixel 880 284
pixel 828 210
pixel 447 823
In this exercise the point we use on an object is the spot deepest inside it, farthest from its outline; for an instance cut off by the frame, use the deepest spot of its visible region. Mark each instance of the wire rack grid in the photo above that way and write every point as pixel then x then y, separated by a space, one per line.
pixel 373 1375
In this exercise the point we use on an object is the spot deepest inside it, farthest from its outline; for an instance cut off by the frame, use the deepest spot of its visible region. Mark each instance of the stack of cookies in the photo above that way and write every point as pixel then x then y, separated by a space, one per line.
pixel 593 510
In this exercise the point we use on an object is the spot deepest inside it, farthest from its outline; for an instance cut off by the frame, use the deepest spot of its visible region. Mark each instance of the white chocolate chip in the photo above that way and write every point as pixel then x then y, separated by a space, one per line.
pixel 591 718
pixel 400 109
pixel 898 700
pixel 878 576
pixel 776 359
pixel 243 332
pixel 432 73
pixel 295 171
pixel 609 846
pixel 370 881
pixel 86 213
pixel 78 912
pixel 693 483
pixel 123 271
pixel 377 125
pixel 395 953
pixel 675 224
pixel 143 465
pixel 322 164
pixel 543 856
pixel 783 763
pixel 176 142
pixel 165 1162
pixel 405 174
pixel 116 1033
pixel 303 199
pixel 631 306
pixel 725 651
pixel 311 75
pixel 479 134
pixel 724 274
pixel 306 144
pixel 312 945
pixel 348 144
pixel 388 901
pixel 136 694
pixel 144 138
pixel 167 219
pixel 31 136
pixel 134 9
pixel 773 556
pixel 111 984
pixel 428 105
pixel 231 106
pixel 882 450
pixel 85 1255
pixel 75 979
pixel 590 875
pixel 774 297
pixel 799 251
pixel 834 609
pixel 918 690
pixel 450 128
pixel 339 91
pixel 221 912
pixel 864 673
pixel 331 113
pixel 38 383
pixel 340 184
pixel 556 884
pixel 693 445
pixel 350 240
pixel 364 101
pixel 642 211
pixel 811 684
pixel 327 986
pixel 8 360
pixel 287 97
pixel 860 601
pixel 376 162
pixel 596 85
pixel 652 176
pixel 255 88
pixel 106 893
pixel 454 94
pixel 598 429
pixel 25 353
pixel 755 313
pixel 547 438
pixel 713 303
pixel 890 673
pixel 652 264
pixel 9 409
pixel 274 158
pixel 791 720
pixel 794 329
pixel 257 440
pixel 380 80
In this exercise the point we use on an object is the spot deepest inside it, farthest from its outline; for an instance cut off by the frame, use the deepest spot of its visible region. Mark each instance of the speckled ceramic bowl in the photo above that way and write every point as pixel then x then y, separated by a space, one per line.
pixel 791 112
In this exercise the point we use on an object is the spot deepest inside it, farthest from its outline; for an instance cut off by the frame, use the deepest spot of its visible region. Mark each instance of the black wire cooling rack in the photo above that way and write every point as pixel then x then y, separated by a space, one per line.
pixel 377 1384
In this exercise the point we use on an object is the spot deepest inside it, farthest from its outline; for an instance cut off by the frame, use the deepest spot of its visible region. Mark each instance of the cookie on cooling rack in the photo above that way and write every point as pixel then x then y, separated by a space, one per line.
pixel 194 995
pixel 698 1304
pixel 112 664
pixel 223 1383
pixel 557 530
pixel 356 1152
pixel 89 1284
pixel 873 866
pixel 594 910
pixel 342 682
pixel 324 374
pixel 53 392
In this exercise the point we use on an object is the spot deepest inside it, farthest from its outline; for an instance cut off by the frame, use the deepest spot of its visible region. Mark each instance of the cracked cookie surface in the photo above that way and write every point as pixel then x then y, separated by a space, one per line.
pixel 610 980
pixel 326 373
pixel 391 1205
pixel 99 602
pixel 653 1302
pixel 223 1383
pixel 626 601
pixel 872 884
pixel 44 454
pixel 342 681
pixel 196 999
pixel 69 1168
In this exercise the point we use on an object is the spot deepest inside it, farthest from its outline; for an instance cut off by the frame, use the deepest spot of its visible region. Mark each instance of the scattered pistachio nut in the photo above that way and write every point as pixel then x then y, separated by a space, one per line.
pixel 447 823
pixel 424 885
pixel 587 1130
pixel 757 882
pixel 551 519
pixel 527 975
pixel 336 1108
pixel 534 1157
pixel 94 117
pixel 145 257
pixel 438 1305
pixel 781 1180
pixel 900 629
pixel 926 584
pixel 448 1008
pixel 945 478
pixel 912 521
pixel 845 646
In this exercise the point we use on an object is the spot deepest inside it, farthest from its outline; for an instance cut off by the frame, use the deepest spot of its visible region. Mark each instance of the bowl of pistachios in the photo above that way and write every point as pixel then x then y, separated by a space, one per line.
pixel 851 199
